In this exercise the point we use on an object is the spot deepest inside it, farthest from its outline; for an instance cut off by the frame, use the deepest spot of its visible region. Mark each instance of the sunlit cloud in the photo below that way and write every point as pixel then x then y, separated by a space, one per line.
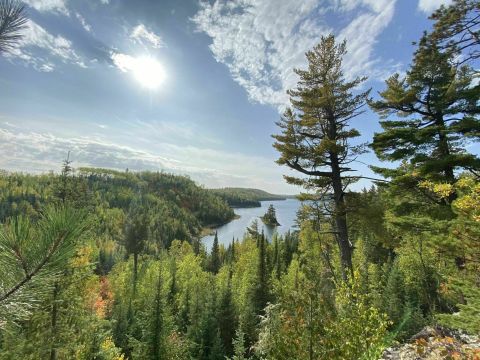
pixel 142 35
pixel 146 70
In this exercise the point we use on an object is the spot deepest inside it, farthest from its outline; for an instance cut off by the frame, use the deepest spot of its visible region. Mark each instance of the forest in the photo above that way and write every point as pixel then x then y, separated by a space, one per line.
pixel 241 197
pixel 106 264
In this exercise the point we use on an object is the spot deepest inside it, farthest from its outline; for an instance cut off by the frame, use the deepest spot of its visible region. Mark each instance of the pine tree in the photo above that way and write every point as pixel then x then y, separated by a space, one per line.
pixel 439 104
pixel 315 137
pixel 158 350
pixel 215 256
pixel 136 233
pixel 226 319
pixel 12 22
pixel 239 345
pixel 261 288
pixel 270 217
pixel 33 257
pixel 276 258
pixel 457 29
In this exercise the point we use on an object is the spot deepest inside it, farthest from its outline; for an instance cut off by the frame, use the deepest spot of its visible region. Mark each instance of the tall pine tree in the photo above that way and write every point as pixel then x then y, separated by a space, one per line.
pixel 315 138
pixel 215 255
pixel 436 108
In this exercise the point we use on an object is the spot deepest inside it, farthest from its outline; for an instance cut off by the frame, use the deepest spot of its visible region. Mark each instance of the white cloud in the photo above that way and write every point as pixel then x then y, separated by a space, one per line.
pixel 361 39
pixel 84 23
pixel 57 6
pixel 105 2
pixel 261 41
pixel 32 151
pixel 35 38
pixel 124 62
pixel 429 6
pixel 144 36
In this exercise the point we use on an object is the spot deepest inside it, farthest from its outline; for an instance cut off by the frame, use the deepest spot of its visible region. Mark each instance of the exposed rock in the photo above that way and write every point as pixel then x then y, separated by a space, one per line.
pixel 434 343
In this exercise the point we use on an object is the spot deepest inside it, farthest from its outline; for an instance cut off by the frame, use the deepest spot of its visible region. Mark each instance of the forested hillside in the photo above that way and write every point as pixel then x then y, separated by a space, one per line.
pixel 242 197
pixel 177 207
pixel 103 264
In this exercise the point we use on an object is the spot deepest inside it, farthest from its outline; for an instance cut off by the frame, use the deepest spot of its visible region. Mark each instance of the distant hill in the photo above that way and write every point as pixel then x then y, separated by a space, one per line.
pixel 245 197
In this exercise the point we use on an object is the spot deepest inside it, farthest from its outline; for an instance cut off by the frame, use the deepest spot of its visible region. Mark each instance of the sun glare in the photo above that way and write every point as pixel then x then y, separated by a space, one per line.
pixel 148 72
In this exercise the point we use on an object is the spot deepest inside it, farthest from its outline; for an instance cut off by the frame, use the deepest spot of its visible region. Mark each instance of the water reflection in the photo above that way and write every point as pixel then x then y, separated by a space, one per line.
pixel 286 214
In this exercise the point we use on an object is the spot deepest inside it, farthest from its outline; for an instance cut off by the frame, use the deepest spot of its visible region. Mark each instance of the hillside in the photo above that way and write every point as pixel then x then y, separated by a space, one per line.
pixel 178 208
pixel 246 197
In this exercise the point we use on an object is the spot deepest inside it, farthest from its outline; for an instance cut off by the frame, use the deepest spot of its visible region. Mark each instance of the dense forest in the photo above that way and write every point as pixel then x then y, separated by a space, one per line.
pixel 103 264
pixel 241 197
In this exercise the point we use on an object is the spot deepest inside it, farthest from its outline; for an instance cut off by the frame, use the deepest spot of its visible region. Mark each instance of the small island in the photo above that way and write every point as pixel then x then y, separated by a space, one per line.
pixel 270 217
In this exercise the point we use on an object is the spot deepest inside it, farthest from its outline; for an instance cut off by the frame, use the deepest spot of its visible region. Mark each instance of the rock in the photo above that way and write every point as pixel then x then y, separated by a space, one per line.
pixel 436 342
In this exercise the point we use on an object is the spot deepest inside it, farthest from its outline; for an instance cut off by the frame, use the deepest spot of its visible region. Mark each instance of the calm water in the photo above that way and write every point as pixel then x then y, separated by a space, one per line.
pixel 286 214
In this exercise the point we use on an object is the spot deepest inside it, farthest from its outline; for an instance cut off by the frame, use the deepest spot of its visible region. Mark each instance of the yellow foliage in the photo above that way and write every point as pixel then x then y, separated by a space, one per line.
pixel 109 349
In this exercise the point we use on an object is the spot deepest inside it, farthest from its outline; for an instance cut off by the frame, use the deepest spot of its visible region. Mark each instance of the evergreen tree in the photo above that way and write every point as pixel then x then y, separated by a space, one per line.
pixel 136 233
pixel 439 104
pixel 215 255
pixel 239 345
pixel 315 138
pixel 226 319
pixel 457 29
pixel 276 258
pixel 261 290
pixel 12 22
pixel 253 230
pixel 157 341
pixel 33 257
pixel 270 217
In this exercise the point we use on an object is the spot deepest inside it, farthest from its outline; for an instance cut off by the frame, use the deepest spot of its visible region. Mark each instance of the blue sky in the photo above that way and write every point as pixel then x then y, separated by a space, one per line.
pixel 72 84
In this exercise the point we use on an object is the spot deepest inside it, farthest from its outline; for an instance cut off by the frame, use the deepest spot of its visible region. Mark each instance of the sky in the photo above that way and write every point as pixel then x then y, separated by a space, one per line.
pixel 190 87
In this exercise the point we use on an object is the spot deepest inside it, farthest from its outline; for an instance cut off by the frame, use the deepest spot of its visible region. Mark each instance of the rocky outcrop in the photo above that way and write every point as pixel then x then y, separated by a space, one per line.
pixel 434 343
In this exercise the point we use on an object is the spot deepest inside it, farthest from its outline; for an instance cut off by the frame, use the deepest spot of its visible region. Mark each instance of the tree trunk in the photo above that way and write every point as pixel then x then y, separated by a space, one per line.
pixel 340 218
pixel 444 149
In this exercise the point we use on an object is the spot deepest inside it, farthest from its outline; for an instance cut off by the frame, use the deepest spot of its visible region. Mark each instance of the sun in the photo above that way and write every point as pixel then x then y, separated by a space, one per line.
pixel 148 72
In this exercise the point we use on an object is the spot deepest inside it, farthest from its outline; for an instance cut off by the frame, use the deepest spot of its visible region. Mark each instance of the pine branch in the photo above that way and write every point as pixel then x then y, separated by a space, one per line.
pixel 12 22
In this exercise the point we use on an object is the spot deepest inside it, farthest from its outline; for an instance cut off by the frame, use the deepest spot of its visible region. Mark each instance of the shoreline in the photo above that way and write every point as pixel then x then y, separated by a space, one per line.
pixel 209 230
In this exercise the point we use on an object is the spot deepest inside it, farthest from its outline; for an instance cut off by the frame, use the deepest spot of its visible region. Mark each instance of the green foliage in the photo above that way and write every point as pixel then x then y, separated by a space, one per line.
pixel 242 197
pixel 270 217
pixel 316 137
pixel 13 21
pixel 142 286
pixel 215 256
pixel 438 103
pixel 457 29
pixel 33 256
pixel 468 315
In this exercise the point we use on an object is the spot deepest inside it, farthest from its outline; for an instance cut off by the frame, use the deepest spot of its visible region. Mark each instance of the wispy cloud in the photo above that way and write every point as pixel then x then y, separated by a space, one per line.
pixel 429 6
pixel 84 23
pixel 52 47
pixel 140 34
pixel 57 6
pixel 261 41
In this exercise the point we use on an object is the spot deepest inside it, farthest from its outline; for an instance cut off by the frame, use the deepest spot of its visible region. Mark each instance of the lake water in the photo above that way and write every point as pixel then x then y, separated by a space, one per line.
pixel 286 214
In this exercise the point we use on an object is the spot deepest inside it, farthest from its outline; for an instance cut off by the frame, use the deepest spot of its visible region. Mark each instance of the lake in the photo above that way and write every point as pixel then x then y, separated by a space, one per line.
pixel 286 214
